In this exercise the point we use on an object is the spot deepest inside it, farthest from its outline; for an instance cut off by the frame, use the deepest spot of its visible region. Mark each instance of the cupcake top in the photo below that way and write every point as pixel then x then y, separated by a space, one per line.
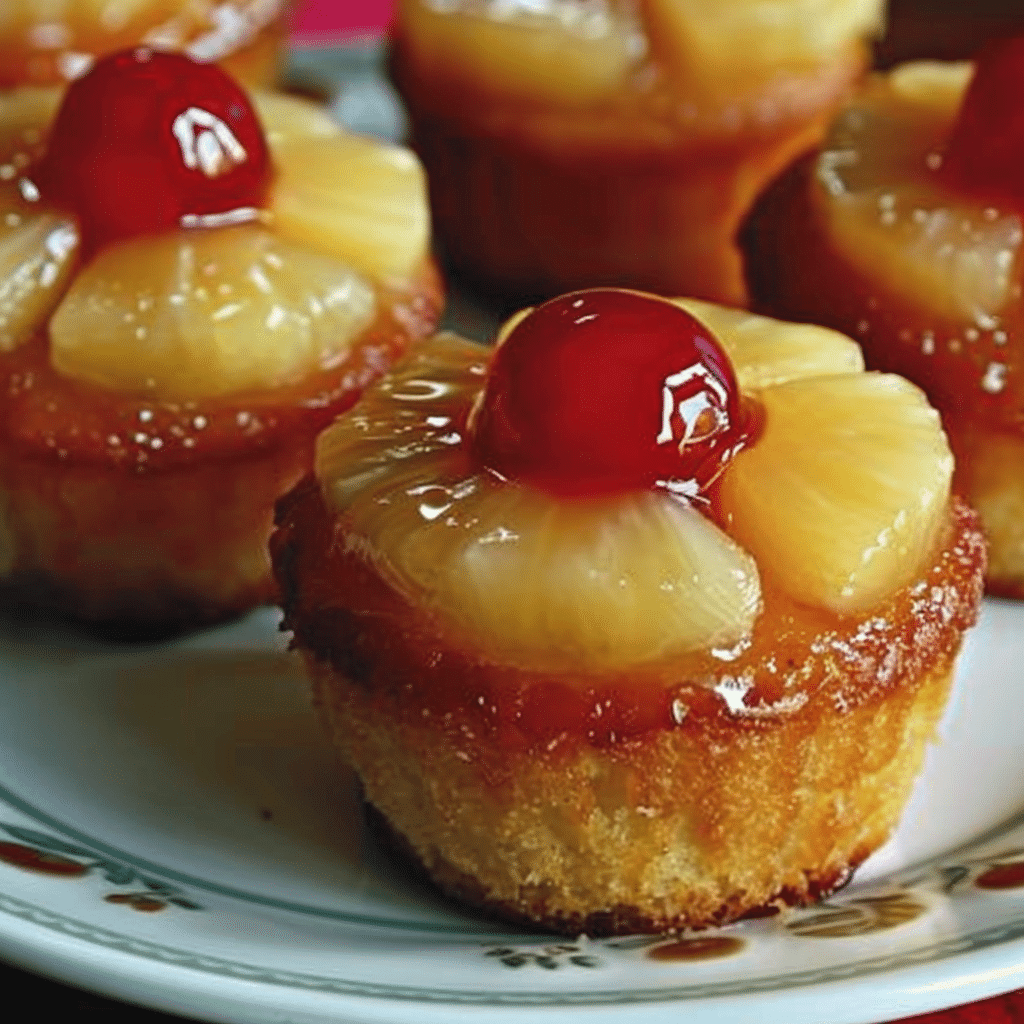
pixel 166 236
pixel 51 41
pixel 915 190
pixel 631 480
pixel 676 58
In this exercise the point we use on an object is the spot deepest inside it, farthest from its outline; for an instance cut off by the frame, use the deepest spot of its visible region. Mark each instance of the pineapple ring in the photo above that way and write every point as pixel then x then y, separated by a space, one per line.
pixel 847 519
pixel 853 515
pixel 37 250
pixel 577 54
pixel 278 313
pixel 163 314
pixel 561 51
pixel 766 351
pixel 838 524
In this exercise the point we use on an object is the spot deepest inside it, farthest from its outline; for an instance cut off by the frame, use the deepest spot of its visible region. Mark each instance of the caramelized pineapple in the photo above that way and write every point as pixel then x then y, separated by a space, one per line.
pixel 604 582
pixel 54 41
pixel 701 43
pixel 559 52
pixel 836 489
pixel 845 494
pixel 766 351
pixel 37 250
pixel 576 54
pixel 378 223
pixel 203 314
pixel 891 216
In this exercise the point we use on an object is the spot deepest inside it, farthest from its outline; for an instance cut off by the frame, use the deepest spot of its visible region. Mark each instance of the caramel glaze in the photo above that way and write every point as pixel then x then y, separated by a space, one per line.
pixel 249 48
pixel 799 661
pixel 710 948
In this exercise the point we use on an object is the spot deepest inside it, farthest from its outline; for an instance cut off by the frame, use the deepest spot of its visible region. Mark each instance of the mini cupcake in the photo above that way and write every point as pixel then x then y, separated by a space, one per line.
pixel 906 231
pixel 610 641
pixel 585 142
pixel 43 42
pixel 192 285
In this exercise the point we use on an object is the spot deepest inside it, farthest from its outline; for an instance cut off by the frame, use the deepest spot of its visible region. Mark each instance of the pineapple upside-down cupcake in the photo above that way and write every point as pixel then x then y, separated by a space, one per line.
pixel 633 629
pixel 47 42
pixel 192 285
pixel 907 231
pixel 581 142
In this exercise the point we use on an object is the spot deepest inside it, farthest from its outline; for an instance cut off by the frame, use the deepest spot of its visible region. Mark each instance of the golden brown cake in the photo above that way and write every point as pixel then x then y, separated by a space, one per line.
pixel 683 672
pixel 47 42
pixel 191 287
pixel 885 235
pixel 576 143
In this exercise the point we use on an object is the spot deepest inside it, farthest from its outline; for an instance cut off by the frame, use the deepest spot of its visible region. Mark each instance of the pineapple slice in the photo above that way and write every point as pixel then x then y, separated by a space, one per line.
pixel 710 47
pixel 764 351
pixel 577 585
pixel 195 314
pixel 37 252
pixel 396 420
pixel 82 13
pixel 560 51
pixel 285 118
pixel 600 583
pixel 358 200
pixel 890 218
pixel 843 496
pixel 23 114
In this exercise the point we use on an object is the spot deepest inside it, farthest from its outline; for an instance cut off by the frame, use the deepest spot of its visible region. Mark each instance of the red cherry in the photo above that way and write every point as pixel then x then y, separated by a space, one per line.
pixel 148 139
pixel 985 152
pixel 609 390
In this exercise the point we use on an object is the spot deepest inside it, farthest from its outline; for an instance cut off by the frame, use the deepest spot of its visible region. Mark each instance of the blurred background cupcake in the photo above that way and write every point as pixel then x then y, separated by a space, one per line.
pixel 43 42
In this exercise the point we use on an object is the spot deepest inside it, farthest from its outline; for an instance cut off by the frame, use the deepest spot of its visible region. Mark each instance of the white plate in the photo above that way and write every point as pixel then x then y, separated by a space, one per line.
pixel 173 831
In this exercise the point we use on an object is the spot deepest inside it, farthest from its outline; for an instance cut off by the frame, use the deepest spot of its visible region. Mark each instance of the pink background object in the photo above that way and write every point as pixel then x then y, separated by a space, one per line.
pixel 335 20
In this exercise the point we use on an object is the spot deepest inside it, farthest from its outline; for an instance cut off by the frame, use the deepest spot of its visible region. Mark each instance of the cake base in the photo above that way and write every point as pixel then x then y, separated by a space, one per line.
pixel 680 831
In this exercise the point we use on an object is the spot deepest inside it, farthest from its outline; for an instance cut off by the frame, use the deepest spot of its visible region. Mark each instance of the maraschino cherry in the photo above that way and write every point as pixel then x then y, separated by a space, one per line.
pixel 149 140
pixel 609 390
pixel 985 152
